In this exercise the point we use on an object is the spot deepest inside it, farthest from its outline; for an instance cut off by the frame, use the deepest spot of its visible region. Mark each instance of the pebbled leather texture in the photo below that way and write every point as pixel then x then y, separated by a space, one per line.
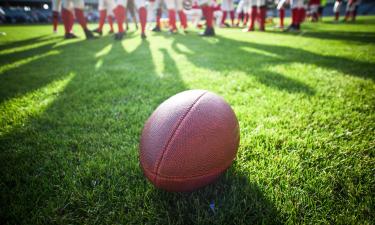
pixel 188 141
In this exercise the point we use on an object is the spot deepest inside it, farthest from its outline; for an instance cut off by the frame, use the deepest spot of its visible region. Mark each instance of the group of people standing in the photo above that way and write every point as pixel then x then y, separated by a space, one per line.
pixel 247 12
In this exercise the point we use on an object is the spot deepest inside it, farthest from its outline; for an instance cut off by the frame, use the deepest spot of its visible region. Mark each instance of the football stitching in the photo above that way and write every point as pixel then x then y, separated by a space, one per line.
pixel 211 173
pixel 173 133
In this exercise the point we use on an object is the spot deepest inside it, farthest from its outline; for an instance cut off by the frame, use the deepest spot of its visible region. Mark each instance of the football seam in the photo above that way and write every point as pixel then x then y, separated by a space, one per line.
pixel 173 134
pixel 211 173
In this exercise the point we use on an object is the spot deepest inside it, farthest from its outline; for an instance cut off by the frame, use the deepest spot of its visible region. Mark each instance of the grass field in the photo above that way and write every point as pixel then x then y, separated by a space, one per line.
pixel 71 113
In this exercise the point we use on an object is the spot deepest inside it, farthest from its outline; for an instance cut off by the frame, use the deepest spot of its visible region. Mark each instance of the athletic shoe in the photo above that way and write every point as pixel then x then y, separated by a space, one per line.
pixel 172 31
pixel 89 35
pixel 208 32
pixel 156 29
pixel 98 31
pixel 119 36
pixel 70 36
pixel 143 36
pixel 292 27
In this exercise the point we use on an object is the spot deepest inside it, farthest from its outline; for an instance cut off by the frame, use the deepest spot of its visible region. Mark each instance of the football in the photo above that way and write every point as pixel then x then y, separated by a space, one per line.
pixel 189 141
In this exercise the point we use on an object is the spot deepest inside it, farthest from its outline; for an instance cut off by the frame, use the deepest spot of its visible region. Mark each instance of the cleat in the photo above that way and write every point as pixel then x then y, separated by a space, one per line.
pixel 98 31
pixel 70 36
pixel 208 32
pixel 156 29
pixel 119 36
pixel 172 31
pixel 143 36
pixel 89 35
pixel 292 28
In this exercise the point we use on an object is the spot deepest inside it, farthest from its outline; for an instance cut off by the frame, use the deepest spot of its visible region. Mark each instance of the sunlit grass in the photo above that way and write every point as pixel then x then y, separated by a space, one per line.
pixel 71 121
pixel 17 111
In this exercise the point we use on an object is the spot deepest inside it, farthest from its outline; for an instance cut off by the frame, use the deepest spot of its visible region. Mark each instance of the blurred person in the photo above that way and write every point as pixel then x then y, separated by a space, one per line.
pixel 351 11
pixel 68 6
pixel 120 14
pixel 56 10
pixel 207 10
pixel 258 12
pixel 314 7
pixel 281 9
pixel 175 6
pixel 298 14
pixel 195 14
pixel 105 8
pixel 252 11
pixel 336 9
pixel 151 9
pixel 227 7
pixel 133 14
pixel 217 12
pixel 242 13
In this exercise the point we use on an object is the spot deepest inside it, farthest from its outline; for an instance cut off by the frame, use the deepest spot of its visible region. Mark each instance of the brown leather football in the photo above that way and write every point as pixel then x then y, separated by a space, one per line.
pixel 188 141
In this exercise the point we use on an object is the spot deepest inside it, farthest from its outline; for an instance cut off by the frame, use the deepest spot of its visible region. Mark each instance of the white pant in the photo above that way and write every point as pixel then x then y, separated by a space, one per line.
pixel 261 3
pixel 337 7
pixel 218 14
pixel 195 15
pixel 227 5
pixel 252 3
pixel 240 7
pixel 296 4
pixel 314 8
pixel 174 4
pixel 56 5
pixel 138 3
pixel 70 4
pixel 108 5
pixel 204 2
pixel 257 3
pixel 351 7
pixel 280 4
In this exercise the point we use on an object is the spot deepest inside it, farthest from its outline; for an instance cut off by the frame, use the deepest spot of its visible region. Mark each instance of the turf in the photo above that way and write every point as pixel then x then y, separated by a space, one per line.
pixel 71 113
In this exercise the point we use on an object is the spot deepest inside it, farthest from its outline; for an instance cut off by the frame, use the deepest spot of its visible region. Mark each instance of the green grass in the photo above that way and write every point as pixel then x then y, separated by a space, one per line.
pixel 71 113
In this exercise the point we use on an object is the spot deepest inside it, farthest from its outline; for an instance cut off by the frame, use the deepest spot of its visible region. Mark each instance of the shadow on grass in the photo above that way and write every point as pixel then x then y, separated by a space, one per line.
pixel 26 70
pixel 85 143
pixel 233 199
pixel 362 37
pixel 360 20
pixel 77 161
pixel 24 42
pixel 255 59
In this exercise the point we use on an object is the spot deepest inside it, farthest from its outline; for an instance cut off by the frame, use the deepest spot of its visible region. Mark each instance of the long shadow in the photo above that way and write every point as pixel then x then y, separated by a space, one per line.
pixel 233 199
pixel 359 20
pixel 52 166
pixel 362 37
pixel 220 58
pixel 350 67
pixel 30 71
pixel 24 42
pixel 254 58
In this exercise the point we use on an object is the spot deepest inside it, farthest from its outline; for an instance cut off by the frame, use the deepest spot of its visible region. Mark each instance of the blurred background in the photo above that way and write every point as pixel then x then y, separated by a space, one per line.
pixel 39 11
